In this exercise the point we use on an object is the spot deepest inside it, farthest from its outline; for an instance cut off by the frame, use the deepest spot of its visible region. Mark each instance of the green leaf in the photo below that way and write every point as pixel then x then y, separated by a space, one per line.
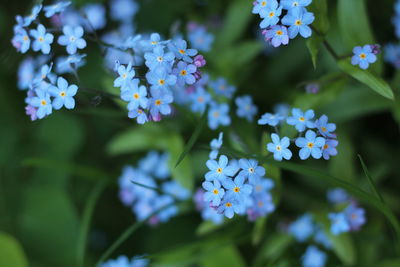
pixel 49 224
pixel 11 252
pixel 320 10
pixel 236 20
pixel 192 140
pixel 364 76
pixel 155 136
pixel 207 227
pixel 370 180
pixel 353 22
pixel 275 246
pixel 314 44
pixel 258 230
pixel 224 256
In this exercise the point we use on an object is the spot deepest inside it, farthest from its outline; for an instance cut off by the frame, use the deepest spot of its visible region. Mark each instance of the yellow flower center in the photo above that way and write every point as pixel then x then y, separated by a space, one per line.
pixel 43 102
pixel 72 39
pixel 228 204
pixel 263 3
pixel 200 99
pixel 158 102
pixel 62 94
pixel 363 55
pixel 26 38
pixel 279 32
pixel 40 39
pixel 136 96
pixel 251 170
pixel 219 170
pixel 183 72
pixel 236 189
pixel 302 119
pixel 154 43
pixel 139 111
pixel 278 148
pixel 160 59
pixel 310 145
pixel 298 22
pixel 215 191
pixel 326 146
pixel 216 114
pixel 271 14
pixel 323 129
pixel 182 51
pixel 161 82
pixel 124 75
pixel 260 203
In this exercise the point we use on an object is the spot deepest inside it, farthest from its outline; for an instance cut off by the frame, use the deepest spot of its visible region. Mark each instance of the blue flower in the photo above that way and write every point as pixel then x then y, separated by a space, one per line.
pixel 279 147
pixel 181 52
pixel 270 119
pixel 250 169
pixel 214 192
pixel 139 114
pixel 22 41
pixel 55 8
pixel 270 15
pixel 95 15
pixel 301 120
pixel 158 58
pixel 199 100
pixel 160 78
pixel 230 206
pixel 262 205
pixel 153 42
pixel 123 261
pixel 135 95
pixel 392 54
pixel 221 87
pixel 321 238
pixel 310 145
pixel 329 149
pixel 282 109
pixel 42 102
pixel 45 76
pixel 34 13
pixel 211 214
pixel 220 170
pixel 355 216
pixel 339 223
pixel 363 56
pixel 159 103
pixel 42 39
pixel 218 115
pixel 290 4
pixel 70 63
pixel 314 257
pixel 26 71
pixel 200 39
pixel 125 76
pixel 302 228
pixel 166 213
pixel 123 10
pixel 260 5
pixel 337 196
pixel 246 108
pixel 176 189
pixel 215 145
pixel 298 20
pixel 277 35
pixel 184 73
pixel 63 94
pixel 238 189
pixel 324 127
pixel 72 39
pixel 261 185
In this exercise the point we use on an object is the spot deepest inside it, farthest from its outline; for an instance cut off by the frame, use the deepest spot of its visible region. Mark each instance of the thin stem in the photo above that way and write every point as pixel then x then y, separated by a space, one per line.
pixel 127 233
pixel 86 219
pixel 326 44
pixel 99 92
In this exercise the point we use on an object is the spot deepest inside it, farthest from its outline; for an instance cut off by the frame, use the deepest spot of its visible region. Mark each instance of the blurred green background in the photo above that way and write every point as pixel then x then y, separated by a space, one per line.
pixel 50 168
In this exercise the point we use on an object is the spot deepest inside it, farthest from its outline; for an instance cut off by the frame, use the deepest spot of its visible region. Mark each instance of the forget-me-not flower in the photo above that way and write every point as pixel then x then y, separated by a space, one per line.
pixel 363 56
pixel 63 94
pixel 43 40
pixel 72 39
pixel 310 145
pixel 298 20
pixel 219 170
pixel 214 192
pixel 301 120
pixel 279 147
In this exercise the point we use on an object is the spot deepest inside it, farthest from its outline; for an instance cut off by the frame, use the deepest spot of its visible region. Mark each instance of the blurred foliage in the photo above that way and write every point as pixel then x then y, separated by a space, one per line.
pixel 48 168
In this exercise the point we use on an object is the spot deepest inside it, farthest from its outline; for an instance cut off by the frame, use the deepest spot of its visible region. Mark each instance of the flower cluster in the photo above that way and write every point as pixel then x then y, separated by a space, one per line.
pixel 170 65
pixel 350 216
pixel 123 261
pixel 365 55
pixel 45 90
pixel 234 187
pixel 392 51
pixel 283 20
pixel 318 143
pixel 139 189
pixel 306 228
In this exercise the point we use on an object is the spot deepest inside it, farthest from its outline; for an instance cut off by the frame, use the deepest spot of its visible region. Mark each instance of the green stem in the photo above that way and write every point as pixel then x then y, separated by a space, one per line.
pixel 86 220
